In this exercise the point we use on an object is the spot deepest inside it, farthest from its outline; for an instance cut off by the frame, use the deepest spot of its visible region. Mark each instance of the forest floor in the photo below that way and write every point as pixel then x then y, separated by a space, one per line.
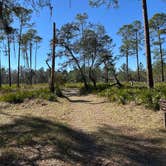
pixel 80 130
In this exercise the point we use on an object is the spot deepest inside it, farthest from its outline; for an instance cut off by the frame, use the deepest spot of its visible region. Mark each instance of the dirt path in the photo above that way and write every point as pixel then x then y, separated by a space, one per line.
pixel 81 130
pixel 86 111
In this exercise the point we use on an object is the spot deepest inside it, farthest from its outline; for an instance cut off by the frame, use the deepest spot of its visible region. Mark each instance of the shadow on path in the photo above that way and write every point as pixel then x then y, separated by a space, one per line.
pixel 29 140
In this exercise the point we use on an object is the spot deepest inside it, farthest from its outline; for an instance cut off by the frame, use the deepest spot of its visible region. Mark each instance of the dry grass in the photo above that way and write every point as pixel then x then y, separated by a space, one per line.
pixel 84 130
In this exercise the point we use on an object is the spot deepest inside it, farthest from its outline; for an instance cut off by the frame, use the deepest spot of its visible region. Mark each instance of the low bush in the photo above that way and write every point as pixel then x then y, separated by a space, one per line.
pixel 74 85
pixel 16 97
pixel 20 95
pixel 99 87
pixel 140 95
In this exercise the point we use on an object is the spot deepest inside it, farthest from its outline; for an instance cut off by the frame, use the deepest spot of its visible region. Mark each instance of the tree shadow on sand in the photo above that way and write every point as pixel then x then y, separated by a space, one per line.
pixel 31 140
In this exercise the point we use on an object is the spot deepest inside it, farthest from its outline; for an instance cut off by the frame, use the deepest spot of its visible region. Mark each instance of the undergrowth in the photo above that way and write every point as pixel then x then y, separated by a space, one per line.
pixel 140 95
pixel 19 95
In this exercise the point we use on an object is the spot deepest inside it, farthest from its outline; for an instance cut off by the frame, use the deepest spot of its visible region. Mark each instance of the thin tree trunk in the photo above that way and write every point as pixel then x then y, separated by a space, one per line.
pixel 92 78
pixel 117 80
pixel 35 56
pixel 88 66
pixel 84 65
pixel 106 75
pixel 8 41
pixel 107 79
pixel 0 73
pixel 84 79
pixel 35 61
pixel 31 63
pixel 161 58
pixel 106 72
pixel 80 69
pixel 27 59
pixel 127 66
pixel 52 88
pixel 1 14
pixel 150 82
pixel 137 56
pixel 138 72
pixel 19 54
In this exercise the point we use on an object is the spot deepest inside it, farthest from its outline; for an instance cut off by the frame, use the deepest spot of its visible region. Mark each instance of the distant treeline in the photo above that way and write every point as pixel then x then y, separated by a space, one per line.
pixel 42 76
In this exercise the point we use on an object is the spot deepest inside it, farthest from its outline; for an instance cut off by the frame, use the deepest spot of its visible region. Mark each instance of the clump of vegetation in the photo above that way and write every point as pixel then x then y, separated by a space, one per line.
pixel 20 95
pixel 74 85
pixel 140 95
pixel 99 87
pixel 17 97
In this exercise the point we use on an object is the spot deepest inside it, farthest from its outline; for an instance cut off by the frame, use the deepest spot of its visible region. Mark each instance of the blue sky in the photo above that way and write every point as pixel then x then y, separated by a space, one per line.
pixel 112 19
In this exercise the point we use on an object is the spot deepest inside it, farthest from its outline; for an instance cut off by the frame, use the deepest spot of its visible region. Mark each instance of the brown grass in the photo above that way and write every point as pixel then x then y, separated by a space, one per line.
pixel 84 130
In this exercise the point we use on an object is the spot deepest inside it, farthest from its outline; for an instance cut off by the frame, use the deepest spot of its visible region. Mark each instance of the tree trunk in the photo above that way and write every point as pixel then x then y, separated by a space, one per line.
pixel 52 88
pixel 127 66
pixel 92 78
pixel 137 56
pixel 94 83
pixel 77 63
pixel 27 59
pixel 138 72
pixel 19 54
pixel 117 80
pixel 31 63
pixel 35 56
pixel 84 79
pixel 161 58
pixel 0 73
pixel 150 82
pixel 35 60
pixel 106 75
pixel 8 41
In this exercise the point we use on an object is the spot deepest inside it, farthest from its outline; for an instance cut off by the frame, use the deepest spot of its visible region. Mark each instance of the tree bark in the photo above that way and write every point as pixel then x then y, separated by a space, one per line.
pixel 35 60
pixel 19 54
pixel 0 73
pixel 79 67
pixel 137 56
pixel 92 78
pixel 52 88
pixel 127 66
pixel 150 82
pixel 106 75
pixel 31 63
pixel 117 80
pixel 161 58
pixel 9 63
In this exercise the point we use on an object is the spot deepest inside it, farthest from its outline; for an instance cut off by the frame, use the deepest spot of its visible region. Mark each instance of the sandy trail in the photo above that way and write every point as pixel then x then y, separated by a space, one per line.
pixel 80 130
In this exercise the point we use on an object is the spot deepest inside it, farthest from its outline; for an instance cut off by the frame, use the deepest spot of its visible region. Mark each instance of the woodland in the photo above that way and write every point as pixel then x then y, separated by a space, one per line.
pixel 87 110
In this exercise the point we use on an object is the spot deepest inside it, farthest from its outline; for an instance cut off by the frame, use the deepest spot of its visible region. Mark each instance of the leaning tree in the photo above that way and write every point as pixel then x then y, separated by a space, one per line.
pixel 96 3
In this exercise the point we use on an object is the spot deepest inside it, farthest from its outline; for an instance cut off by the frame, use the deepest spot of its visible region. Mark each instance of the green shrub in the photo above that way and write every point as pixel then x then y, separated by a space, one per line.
pixel 91 89
pixel 74 85
pixel 13 97
pixel 140 95
pixel 150 98
pixel 20 95
pixel 49 97
pixel 124 96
